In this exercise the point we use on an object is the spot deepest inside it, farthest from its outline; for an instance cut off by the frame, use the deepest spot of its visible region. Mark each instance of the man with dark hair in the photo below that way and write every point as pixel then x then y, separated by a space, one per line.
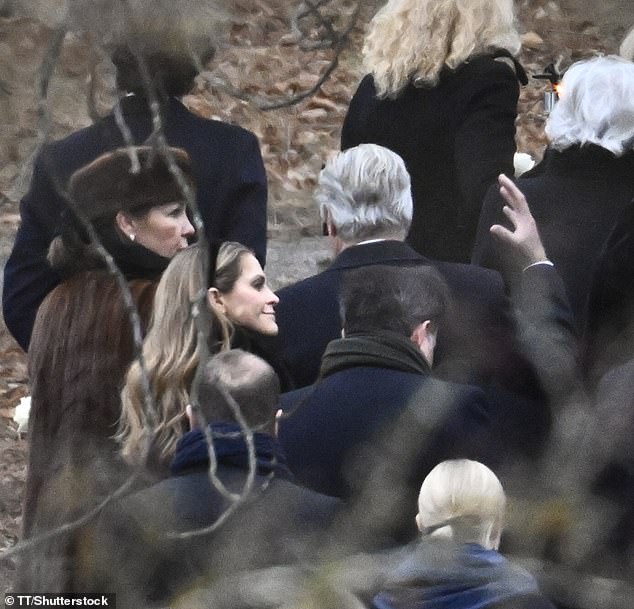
pixel 365 201
pixel 364 198
pixel 135 549
pixel 226 164
pixel 390 306
pixel 376 422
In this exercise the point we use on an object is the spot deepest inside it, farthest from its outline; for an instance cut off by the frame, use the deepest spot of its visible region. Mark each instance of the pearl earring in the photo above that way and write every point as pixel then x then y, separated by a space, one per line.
pixel 132 236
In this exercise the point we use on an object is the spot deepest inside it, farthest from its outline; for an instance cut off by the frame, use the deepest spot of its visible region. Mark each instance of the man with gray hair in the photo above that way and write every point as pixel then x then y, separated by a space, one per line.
pixel 365 202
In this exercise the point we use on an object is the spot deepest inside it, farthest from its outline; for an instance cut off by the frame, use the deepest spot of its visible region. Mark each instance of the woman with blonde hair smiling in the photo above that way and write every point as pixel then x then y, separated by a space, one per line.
pixel 240 309
pixel 441 91
pixel 171 352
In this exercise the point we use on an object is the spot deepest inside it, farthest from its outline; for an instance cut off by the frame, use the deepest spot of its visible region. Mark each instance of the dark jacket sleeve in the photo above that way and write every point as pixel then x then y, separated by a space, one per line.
pixel 547 329
pixel 28 278
pixel 486 250
pixel 485 140
pixel 246 212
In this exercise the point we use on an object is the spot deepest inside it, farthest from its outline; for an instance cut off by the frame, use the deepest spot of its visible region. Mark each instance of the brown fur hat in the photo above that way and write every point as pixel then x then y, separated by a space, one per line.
pixel 108 184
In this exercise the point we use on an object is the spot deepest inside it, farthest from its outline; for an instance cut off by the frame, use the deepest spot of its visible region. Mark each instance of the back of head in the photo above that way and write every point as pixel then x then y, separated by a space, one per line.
pixel 596 106
pixel 161 45
pixel 366 193
pixel 173 326
pixel 389 298
pixel 239 379
pixel 412 40
pixel 228 265
pixel 132 180
pixel 171 70
pixel 464 500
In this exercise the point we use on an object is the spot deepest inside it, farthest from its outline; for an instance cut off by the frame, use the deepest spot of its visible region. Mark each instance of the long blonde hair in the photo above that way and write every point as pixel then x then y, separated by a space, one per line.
pixel 171 351
pixel 412 40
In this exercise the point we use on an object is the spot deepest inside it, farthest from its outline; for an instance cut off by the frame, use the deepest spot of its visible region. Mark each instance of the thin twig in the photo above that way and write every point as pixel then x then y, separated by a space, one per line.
pixel 266 104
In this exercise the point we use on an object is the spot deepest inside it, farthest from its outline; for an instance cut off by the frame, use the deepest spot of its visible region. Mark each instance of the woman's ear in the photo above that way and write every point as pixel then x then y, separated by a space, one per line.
pixel 126 225
pixel 214 298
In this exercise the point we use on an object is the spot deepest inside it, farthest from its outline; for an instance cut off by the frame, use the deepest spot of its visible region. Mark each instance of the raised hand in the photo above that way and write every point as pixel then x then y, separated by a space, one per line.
pixel 524 240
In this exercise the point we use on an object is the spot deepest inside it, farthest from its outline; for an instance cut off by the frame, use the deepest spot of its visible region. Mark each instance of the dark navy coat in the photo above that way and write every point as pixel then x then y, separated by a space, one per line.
pixel 231 194
pixel 130 551
pixel 372 434
pixel 576 196
pixel 475 345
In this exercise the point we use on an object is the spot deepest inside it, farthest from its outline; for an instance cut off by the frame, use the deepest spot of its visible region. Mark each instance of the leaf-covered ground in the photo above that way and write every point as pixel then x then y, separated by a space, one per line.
pixel 262 60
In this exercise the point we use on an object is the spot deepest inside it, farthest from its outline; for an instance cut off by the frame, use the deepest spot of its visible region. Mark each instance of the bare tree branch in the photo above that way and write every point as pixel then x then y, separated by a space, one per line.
pixel 339 42
pixel 44 79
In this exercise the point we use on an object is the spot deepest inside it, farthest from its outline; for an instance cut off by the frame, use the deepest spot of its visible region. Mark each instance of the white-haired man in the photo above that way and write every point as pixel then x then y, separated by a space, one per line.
pixel 365 202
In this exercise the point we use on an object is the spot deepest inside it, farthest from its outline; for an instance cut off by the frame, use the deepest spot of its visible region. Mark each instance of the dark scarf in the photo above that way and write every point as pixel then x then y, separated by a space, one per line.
pixel 133 259
pixel 381 349
pixel 231 449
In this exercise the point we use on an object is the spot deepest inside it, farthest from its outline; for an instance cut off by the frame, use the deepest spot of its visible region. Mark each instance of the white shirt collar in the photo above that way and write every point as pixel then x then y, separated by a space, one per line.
pixel 370 241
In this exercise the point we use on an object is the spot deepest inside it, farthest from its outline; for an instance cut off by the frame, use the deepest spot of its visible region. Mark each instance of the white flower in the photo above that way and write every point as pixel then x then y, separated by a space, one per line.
pixel 522 162
pixel 21 415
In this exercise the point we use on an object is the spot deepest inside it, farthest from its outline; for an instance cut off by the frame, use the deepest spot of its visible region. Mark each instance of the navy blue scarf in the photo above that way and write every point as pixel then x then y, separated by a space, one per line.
pixel 230 448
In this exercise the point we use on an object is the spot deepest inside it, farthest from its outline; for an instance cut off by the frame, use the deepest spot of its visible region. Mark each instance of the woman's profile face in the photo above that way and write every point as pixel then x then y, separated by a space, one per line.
pixel 164 229
pixel 251 302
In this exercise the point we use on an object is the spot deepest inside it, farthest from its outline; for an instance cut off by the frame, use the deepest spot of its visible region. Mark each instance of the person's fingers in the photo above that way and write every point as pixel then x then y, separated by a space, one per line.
pixel 512 197
pixel 512 215
pixel 512 194
pixel 502 233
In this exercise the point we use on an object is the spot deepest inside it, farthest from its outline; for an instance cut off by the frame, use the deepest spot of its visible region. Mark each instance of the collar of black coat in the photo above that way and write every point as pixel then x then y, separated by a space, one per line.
pixel 378 252
pixel 379 350
pixel 590 159
pixel 139 104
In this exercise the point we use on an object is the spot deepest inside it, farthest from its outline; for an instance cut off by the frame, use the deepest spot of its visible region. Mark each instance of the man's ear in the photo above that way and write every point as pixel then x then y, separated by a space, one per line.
pixel 214 298
pixel 424 336
pixel 126 224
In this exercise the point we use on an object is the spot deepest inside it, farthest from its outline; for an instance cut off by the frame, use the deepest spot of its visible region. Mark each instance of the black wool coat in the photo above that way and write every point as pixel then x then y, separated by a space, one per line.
pixel 576 198
pixel 455 138
pixel 227 168
pixel 371 434
pixel 475 345
pixel 129 550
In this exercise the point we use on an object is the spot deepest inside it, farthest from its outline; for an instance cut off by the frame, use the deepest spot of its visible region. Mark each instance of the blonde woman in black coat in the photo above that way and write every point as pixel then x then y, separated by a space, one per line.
pixel 441 91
